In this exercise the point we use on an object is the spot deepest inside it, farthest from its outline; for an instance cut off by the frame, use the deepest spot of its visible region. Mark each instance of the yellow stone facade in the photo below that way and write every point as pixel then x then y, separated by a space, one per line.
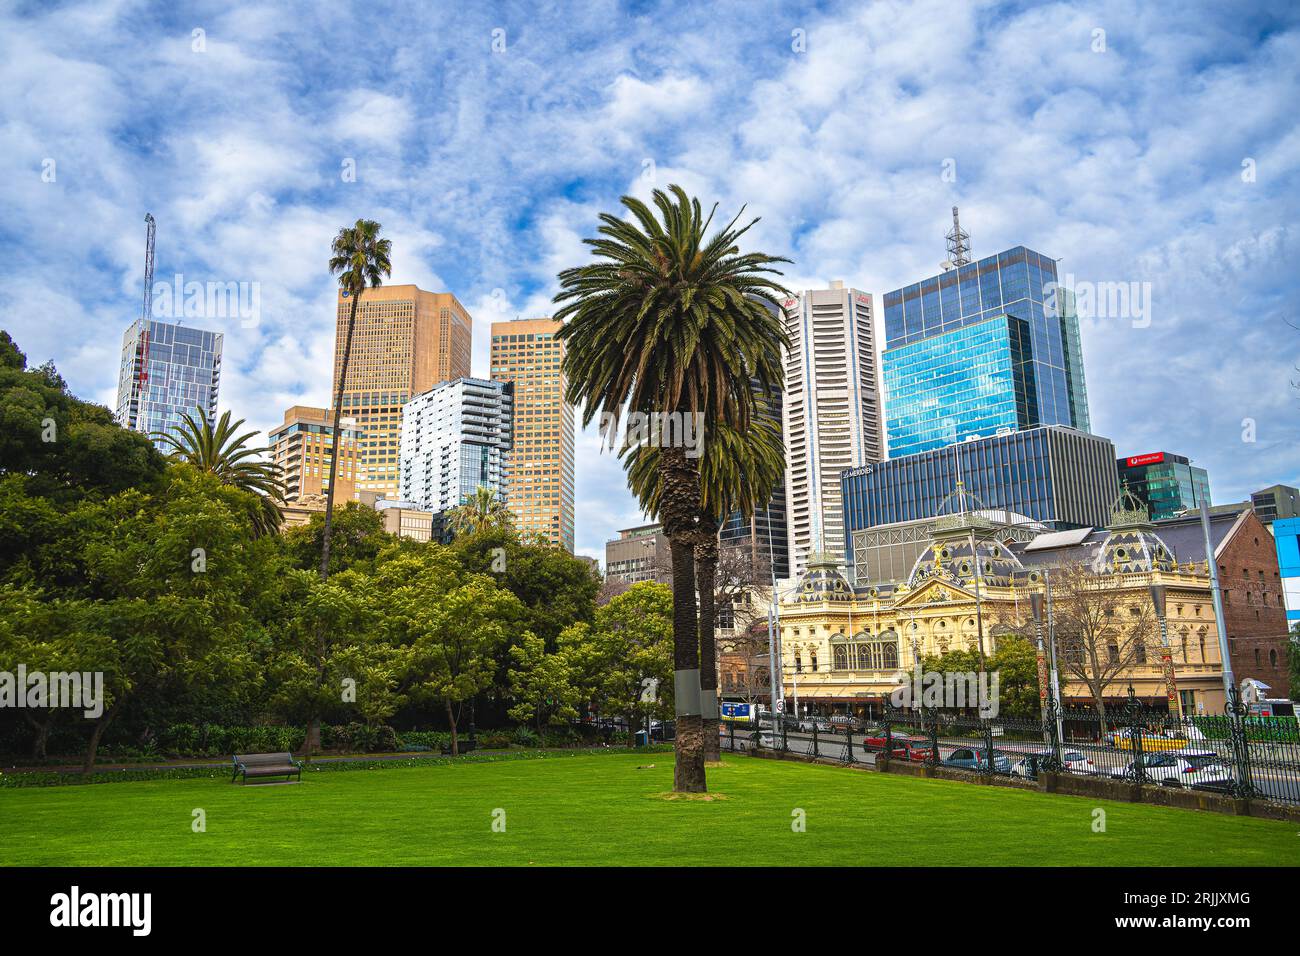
pixel 846 648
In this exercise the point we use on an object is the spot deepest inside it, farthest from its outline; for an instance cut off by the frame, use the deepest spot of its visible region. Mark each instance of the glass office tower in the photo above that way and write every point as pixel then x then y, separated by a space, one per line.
pixel 1058 476
pixel 1166 483
pixel 167 370
pixel 985 346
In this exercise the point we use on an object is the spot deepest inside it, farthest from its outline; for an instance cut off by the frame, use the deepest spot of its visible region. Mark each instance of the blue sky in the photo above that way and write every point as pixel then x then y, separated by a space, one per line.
pixel 1163 150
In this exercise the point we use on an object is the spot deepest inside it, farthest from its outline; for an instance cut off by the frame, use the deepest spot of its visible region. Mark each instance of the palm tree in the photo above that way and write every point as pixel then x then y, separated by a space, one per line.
pixel 483 510
pixel 219 451
pixel 667 321
pixel 738 473
pixel 360 259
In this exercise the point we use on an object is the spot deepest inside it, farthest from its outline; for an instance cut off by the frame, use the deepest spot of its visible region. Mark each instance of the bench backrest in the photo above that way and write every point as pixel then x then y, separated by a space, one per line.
pixel 264 760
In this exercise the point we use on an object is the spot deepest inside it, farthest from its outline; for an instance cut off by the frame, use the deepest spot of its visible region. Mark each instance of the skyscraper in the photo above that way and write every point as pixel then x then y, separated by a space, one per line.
pixel 830 412
pixel 302 446
pixel 1166 483
pixel 982 348
pixel 167 370
pixel 405 342
pixel 526 353
pixel 454 439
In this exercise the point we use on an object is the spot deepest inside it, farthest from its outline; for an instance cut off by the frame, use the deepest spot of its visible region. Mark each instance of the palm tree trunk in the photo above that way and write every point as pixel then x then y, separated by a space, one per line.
pixel 334 449
pixel 679 511
pixel 706 567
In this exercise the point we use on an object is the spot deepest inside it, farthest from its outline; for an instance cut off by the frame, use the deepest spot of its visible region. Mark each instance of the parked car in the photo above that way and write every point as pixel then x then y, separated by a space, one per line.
pixel 842 720
pixel 900 748
pixel 970 758
pixel 1073 761
pixel 1151 740
pixel 806 725
pixel 1202 769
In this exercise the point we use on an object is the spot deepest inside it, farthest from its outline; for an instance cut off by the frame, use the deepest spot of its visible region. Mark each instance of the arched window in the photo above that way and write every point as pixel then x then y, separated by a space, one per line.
pixel 839 657
pixel 1272 658
pixel 812 660
pixel 798 663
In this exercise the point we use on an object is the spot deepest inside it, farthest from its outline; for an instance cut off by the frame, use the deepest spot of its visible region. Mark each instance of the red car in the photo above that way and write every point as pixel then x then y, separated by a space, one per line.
pixel 900 748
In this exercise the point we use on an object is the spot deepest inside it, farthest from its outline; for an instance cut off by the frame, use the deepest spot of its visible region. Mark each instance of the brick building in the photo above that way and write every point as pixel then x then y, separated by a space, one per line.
pixel 1254 610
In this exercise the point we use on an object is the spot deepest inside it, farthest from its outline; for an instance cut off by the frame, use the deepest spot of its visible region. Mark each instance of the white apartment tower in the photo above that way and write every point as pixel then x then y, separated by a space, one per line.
pixel 831 412
pixel 454 438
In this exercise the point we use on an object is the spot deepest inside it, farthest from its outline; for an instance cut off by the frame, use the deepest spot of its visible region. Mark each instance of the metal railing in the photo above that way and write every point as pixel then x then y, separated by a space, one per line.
pixel 1255 758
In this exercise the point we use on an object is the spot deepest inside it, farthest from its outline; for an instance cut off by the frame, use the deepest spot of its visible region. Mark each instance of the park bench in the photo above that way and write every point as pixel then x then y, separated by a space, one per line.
pixel 266 765
pixel 464 745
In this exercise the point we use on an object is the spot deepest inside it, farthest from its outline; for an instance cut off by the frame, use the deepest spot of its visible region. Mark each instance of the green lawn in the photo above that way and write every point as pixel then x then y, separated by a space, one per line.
pixel 602 810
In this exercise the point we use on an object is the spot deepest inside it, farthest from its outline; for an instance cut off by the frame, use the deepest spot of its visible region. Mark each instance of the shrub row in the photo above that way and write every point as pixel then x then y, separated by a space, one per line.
pixel 29 779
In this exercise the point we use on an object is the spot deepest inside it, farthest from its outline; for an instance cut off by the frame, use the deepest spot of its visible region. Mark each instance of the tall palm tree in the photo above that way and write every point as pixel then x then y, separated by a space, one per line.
pixel 359 259
pixel 669 321
pixel 738 473
pixel 481 511
pixel 219 451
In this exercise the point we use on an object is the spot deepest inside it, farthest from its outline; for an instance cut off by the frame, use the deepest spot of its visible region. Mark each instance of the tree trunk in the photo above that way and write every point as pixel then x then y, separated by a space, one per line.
pixel 679 511
pixel 101 725
pixel 311 743
pixel 334 452
pixel 42 728
pixel 451 720
pixel 706 554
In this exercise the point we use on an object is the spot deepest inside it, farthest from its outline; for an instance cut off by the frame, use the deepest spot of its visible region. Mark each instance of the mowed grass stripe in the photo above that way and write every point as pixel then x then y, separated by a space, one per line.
pixel 603 810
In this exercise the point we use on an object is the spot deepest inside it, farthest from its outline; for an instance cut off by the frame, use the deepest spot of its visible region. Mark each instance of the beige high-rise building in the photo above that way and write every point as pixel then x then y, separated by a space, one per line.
pixel 406 341
pixel 302 446
pixel 831 412
pixel 540 496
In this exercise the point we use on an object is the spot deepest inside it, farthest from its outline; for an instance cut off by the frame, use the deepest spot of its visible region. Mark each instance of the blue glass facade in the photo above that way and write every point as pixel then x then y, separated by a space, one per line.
pixel 1286 532
pixel 1019 284
pixel 167 370
pixel 1166 483
pixel 1063 478
pixel 974 379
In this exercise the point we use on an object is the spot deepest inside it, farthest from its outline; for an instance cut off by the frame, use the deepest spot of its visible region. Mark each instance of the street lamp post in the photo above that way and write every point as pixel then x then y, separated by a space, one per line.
pixel 1040 603
pixel 1158 599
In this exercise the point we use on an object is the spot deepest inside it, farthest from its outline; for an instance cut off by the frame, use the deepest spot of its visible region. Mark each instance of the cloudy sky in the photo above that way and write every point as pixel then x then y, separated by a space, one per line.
pixel 1146 143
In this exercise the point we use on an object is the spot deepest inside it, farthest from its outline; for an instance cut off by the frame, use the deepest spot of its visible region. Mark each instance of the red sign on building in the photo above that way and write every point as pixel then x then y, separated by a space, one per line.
pixel 1154 458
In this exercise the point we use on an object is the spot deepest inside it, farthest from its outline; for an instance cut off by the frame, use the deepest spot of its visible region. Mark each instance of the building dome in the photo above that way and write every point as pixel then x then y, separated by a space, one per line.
pixel 1132 545
pixel 823 581
pixel 950 558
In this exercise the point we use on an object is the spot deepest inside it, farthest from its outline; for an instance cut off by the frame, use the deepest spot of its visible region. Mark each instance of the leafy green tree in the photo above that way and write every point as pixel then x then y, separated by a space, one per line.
pixel 626 653
pixel 1016 664
pixel 218 450
pixel 357 538
pixel 482 511
pixel 555 588
pixel 65 447
pixel 176 584
pixel 453 626
pixel 541 684
pixel 360 259
pixel 1293 661
pixel 669 320
pixel 316 651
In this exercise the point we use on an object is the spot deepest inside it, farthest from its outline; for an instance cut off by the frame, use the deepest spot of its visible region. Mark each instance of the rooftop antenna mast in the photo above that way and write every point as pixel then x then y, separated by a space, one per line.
pixel 142 351
pixel 958 242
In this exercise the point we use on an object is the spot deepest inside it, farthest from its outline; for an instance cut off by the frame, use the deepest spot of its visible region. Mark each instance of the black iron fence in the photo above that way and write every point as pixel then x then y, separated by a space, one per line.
pixel 1256 758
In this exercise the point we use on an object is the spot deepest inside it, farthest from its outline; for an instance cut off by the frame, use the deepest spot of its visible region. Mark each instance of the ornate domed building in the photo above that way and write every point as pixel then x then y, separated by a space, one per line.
pixel 846 648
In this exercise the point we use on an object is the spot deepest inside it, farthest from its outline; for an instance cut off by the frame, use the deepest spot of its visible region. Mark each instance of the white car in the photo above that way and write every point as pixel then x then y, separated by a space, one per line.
pixel 1071 760
pixel 1182 768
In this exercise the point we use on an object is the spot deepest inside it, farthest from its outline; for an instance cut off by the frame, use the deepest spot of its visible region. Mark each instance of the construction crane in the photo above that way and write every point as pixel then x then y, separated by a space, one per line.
pixel 142 350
